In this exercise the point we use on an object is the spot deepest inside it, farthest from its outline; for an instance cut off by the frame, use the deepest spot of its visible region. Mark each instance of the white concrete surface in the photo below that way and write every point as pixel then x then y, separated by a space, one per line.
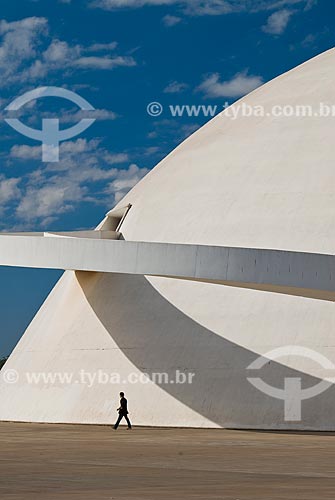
pixel 257 183
pixel 297 273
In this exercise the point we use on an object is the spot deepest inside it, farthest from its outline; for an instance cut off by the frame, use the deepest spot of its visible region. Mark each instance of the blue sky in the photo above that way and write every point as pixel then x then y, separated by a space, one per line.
pixel 121 55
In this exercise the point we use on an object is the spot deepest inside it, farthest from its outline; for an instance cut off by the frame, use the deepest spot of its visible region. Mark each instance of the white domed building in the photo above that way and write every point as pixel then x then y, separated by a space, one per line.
pixel 256 195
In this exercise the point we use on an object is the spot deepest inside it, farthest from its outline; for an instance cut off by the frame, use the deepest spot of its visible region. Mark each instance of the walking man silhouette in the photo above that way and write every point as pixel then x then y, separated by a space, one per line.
pixel 123 411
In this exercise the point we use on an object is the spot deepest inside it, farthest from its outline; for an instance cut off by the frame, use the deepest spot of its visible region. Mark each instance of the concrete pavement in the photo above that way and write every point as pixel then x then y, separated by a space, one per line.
pixel 53 462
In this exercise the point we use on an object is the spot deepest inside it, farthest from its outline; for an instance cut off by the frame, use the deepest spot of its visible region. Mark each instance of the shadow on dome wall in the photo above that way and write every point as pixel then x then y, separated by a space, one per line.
pixel 157 337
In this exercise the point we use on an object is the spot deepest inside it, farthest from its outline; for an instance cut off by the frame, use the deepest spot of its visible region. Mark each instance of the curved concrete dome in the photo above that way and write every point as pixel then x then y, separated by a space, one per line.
pixel 260 182
pixel 254 182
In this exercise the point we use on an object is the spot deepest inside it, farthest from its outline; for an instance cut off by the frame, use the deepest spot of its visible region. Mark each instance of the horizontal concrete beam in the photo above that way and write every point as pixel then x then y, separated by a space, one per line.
pixel 94 234
pixel 298 273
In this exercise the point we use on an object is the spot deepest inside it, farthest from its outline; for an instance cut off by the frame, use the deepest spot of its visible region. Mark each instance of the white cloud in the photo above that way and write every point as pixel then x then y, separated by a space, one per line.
pixel 59 51
pixel 78 146
pixel 28 53
pixel 19 44
pixel 70 116
pixel 62 193
pixel 105 62
pixel 26 152
pixel 239 85
pixel 125 180
pixel 98 114
pixel 58 188
pixel 58 195
pixel 116 158
pixel 117 4
pixel 277 22
pixel 102 47
pixel 29 24
pixel 175 88
pixel 151 150
pixel 9 189
pixel 203 7
pixel 67 116
pixel 169 130
pixel 309 40
pixel 310 4
pixel 169 20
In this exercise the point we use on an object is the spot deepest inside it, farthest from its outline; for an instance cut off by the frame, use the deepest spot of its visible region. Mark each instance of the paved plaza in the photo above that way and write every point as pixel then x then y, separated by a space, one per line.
pixel 77 462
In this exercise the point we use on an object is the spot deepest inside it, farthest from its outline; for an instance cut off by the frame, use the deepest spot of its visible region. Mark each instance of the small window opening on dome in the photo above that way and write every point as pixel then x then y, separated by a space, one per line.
pixel 115 219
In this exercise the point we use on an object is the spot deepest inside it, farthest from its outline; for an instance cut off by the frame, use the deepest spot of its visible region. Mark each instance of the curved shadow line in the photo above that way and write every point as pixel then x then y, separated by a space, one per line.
pixel 157 337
